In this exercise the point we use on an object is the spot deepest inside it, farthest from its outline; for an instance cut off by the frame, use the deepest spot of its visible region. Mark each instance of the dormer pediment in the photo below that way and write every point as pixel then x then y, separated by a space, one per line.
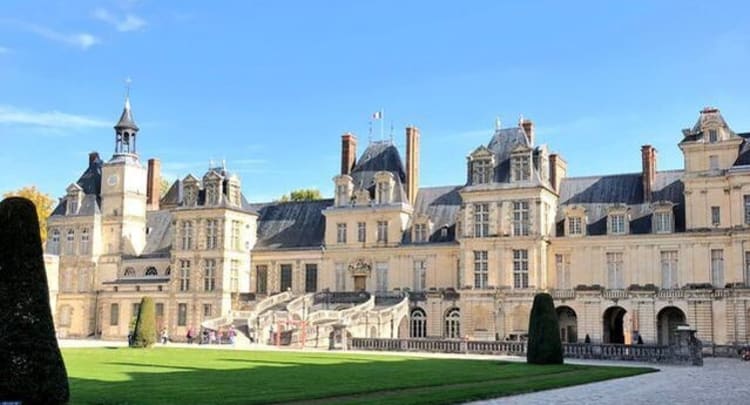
pixel 482 152
pixel 574 211
pixel 212 176
pixel 74 188
pixel 520 148
pixel 190 180
pixel 618 209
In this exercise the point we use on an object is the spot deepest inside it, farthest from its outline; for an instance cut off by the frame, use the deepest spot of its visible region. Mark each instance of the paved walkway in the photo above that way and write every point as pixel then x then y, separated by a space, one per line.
pixel 718 382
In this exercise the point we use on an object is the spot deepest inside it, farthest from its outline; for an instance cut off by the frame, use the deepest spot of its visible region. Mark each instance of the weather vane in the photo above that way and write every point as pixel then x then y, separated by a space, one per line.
pixel 128 81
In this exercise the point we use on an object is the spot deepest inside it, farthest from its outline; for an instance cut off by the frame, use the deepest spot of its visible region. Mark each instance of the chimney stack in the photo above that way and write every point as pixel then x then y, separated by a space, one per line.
pixel 93 157
pixel 348 152
pixel 153 185
pixel 648 158
pixel 557 170
pixel 528 127
pixel 412 164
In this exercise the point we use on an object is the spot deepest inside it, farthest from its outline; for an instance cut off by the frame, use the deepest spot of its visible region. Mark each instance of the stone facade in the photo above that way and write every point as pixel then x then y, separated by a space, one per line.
pixel 625 256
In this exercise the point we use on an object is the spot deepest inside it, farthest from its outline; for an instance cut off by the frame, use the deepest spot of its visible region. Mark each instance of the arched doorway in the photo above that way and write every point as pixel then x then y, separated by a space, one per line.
pixel 453 324
pixel 666 324
pixel 613 325
pixel 418 326
pixel 568 321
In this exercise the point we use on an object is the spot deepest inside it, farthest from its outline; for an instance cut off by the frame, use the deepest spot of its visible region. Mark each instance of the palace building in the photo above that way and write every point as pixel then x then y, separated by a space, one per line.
pixel 623 255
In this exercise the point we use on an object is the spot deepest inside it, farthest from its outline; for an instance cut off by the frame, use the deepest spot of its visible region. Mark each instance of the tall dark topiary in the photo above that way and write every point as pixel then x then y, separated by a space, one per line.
pixel 145 326
pixel 544 346
pixel 31 366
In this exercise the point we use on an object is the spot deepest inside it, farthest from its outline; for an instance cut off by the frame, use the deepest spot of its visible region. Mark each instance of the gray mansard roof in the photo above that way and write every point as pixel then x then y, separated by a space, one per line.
pixel 597 194
pixel 159 236
pixel 91 183
pixel 291 225
pixel 380 156
pixel 440 205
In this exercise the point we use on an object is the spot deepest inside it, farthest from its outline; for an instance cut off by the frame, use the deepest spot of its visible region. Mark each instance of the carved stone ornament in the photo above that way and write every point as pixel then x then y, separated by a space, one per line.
pixel 360 266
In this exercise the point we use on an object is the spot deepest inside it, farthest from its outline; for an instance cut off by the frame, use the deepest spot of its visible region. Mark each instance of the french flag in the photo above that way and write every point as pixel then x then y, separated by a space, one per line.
pixel 378 115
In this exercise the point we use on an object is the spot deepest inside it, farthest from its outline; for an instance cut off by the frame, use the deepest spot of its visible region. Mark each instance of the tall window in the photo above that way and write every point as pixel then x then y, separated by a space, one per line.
pixel 562 271
pixel 261 279
pixel 187 235
pixel 420 275
pixel 420 233
pixel 85 247
pixel 70 242
pixel 480 269
pixel 453 324
pixel 53 246
pixel 481 220
pixel 747 209
pixel 481 172
pixel 520 268
pixel 361 232
pixel 575 226
pixel 717 268
pixel 212 227
pixel 669 269
pixel 340 233
pixel 715 216
pixel 614 270
pixel 184 275
pixel 617 224
pixel 747 268
pixel 286 277
pixel 383 231
pixel 311 277
pixel 114 314
pixel 521 168
pixel 234 276
pixel 134 310
pixel 521 218
pixel 340 277
pixel 73 205
pixel 181 314
pixel 713 135
pixel 212 194
pixel 663 222
pixel 418 323
pixel 207 311
pixel 209 274
pixel 236 235
pixel 381 276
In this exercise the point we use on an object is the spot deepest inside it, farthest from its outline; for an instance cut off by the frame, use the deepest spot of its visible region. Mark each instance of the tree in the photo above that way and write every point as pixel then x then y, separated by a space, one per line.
pixel 163 187
pixel 303 194
pixel 145 326
pixel 544 346
pixel 32 367
pixel 43 202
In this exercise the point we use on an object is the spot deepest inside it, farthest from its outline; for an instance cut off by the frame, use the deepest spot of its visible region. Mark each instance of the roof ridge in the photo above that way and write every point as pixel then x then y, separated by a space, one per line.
pixel 621 174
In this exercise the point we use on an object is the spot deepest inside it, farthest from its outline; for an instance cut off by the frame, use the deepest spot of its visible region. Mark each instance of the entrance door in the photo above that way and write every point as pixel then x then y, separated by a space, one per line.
pixel 613 325
pixel 360 283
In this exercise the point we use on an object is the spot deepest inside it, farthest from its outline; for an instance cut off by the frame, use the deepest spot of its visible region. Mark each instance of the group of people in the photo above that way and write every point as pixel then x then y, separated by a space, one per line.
pixel 208 336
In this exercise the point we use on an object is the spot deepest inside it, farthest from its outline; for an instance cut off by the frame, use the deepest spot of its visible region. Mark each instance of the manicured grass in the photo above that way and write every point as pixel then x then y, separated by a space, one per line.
pixel 190 376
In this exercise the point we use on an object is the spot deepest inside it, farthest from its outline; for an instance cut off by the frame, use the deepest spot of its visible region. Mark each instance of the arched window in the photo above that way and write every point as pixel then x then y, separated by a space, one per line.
pixel 151 271
pixel 70 240
pixel 168 271
pixel 53 246
pixel 453 324
pixel 129 272
pixel 418 327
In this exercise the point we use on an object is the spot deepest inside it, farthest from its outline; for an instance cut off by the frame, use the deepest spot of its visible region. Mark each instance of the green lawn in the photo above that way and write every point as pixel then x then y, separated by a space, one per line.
pixel 189 376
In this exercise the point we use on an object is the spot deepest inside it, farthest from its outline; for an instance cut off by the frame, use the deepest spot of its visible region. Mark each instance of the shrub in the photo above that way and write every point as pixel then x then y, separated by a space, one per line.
pixel 544 346
pixel 144 334
pixel 32 367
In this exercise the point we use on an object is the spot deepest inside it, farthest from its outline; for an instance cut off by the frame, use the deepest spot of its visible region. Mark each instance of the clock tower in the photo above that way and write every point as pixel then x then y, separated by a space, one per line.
pixel 124 181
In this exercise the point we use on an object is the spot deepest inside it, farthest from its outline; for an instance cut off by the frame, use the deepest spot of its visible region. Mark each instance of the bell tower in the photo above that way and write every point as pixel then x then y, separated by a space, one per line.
pixel 124 191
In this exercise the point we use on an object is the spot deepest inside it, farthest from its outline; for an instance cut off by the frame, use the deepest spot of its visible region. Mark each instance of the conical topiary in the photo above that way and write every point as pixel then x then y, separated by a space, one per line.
pixel 544 346
pixel 145 326
pixel 31 366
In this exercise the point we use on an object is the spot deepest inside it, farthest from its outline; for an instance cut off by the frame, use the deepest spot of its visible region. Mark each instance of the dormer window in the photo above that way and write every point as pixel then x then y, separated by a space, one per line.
pixel 618 220
pixel 521 168
pixel 575 221
pixel 75 194
pixel 212 194
pixel 73 206
pixel 713 135
pixel 344 189
pixel 663 220
pixel 190 187
pixel 420 233
pixel 575 226
pixel 384 187
pixel 481 164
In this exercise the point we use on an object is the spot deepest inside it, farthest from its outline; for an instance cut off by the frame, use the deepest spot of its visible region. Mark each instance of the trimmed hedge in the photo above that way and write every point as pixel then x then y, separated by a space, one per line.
pixel 31 367
pixel 145 326
pixel 544 346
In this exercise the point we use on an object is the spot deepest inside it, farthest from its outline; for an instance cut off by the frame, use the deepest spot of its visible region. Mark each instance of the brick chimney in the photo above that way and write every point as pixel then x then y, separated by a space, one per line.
pixel 528 128
pixel 412 163
pixel 153 185
pixel 648 158
pixel 93 157
pixel 558 169
pixel 348 152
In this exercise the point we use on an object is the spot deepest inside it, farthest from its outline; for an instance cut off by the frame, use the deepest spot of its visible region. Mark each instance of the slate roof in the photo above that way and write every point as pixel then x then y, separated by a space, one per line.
pixel 174 195
pixel 91 182
pixel 440 205
pixel 291 225
pixel 380 156
pixel 159 237
pixel 596 194
pixel 743 158
pixel 502 144
pixel 126 119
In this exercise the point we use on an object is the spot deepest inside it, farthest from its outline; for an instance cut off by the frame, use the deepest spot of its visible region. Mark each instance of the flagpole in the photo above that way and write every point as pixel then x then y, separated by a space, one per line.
pixel 382 118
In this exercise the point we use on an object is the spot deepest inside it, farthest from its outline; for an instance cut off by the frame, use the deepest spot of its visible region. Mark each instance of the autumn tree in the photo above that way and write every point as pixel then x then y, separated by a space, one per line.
pixel 163 187
pixel 43 202
pixel 303 194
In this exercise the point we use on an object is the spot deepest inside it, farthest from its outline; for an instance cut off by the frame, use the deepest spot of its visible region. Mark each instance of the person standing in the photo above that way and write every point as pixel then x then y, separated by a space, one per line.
pixel 190 335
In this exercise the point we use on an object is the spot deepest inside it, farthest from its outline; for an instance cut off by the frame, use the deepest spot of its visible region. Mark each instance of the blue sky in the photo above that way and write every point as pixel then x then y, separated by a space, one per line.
pixel 269 86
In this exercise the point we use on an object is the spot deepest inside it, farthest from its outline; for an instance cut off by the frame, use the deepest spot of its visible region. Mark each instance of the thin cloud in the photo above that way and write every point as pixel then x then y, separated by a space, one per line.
pixel 130 22
pixel 10 115
pixel 4 50
pixel 82 40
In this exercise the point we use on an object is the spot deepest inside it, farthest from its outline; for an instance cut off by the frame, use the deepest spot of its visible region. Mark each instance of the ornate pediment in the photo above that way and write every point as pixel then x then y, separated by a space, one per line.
pixel 360 266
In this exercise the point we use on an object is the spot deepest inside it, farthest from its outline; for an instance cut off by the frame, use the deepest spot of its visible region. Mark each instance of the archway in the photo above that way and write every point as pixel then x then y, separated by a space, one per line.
pixel 568 321
pixel 613 325
pixel 666 324
pixel 418 327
